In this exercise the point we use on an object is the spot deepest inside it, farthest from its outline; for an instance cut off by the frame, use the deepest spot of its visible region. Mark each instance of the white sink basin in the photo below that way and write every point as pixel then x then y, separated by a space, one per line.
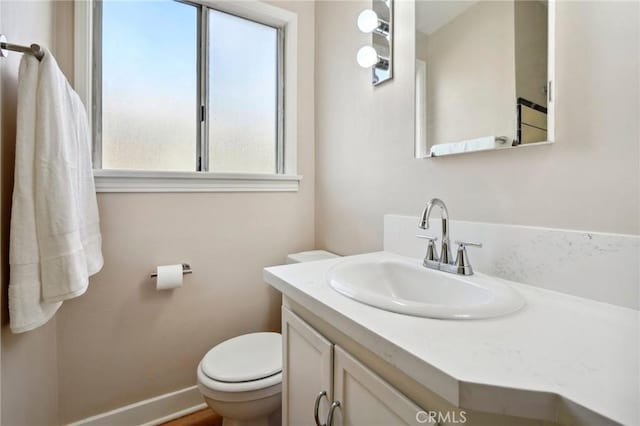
pixel 407 287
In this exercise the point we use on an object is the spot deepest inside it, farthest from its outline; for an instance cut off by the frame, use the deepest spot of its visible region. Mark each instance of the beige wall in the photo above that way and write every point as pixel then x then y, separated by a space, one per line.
pixel 29 361
pixel 365 165
pixel 470 67
pixel 123 341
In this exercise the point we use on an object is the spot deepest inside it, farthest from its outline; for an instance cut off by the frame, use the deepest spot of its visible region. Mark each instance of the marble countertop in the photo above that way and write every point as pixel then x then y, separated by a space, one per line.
pixel 560 352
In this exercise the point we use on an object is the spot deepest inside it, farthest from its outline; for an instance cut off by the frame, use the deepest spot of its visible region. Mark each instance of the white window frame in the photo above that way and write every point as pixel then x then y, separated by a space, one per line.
pixel 167 181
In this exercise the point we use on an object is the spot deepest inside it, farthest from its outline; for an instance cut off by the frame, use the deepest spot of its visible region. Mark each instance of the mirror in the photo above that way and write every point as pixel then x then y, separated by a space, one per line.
pixel 483 75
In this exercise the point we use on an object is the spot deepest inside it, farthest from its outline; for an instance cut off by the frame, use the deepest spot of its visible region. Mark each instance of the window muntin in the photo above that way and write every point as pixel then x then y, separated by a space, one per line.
pixel 205 99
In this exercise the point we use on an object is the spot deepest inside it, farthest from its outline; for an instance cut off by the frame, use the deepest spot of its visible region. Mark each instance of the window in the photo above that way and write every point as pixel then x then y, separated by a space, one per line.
pixel 243 95
pixel 148 91
pixel 182 87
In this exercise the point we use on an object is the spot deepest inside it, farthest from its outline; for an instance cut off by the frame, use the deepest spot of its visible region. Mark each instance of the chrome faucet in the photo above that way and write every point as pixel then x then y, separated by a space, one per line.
pixel 424 224
pixel 444 262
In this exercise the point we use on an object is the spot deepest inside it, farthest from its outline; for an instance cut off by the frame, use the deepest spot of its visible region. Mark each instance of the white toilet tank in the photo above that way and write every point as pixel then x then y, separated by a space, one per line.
pixel 309 256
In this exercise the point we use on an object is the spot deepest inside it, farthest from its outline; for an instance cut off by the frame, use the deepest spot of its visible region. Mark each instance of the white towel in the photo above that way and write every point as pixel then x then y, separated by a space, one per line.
pixel 55 242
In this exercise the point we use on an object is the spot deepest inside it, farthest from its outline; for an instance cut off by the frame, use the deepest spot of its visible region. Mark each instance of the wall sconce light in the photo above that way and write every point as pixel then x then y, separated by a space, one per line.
pixel 369 22
pixel 368 57
pixel 378 22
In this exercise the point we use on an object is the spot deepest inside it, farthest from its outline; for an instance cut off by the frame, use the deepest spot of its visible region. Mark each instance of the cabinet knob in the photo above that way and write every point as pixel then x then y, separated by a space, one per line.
pixel 334 405
pixel 316 408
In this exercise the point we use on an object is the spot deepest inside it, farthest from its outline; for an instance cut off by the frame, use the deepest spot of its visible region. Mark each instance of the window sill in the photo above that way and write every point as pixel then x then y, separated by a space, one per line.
pixel 150 181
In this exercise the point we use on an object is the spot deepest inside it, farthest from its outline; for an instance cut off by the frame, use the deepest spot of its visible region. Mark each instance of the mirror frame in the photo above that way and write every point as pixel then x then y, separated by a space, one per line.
pixel 422 150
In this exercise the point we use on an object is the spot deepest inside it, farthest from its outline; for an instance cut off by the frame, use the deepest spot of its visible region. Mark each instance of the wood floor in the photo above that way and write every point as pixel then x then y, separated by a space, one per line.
pixel 204 417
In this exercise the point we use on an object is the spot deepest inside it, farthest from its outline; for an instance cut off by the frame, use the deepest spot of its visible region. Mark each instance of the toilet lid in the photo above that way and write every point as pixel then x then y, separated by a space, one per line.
pixel 244 358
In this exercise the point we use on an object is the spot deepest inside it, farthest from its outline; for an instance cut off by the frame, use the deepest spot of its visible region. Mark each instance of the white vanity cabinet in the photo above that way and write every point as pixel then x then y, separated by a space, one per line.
pixel 313 364
pixel 383 367
pixel 307 370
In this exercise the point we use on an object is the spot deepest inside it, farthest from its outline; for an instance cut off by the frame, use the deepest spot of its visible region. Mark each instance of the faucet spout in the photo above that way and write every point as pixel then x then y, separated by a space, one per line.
pixel 445 253
pixel 445 262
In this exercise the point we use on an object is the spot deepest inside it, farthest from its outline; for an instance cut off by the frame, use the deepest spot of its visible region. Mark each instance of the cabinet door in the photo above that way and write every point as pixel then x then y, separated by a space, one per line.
pixel 366 399
pixel 307 371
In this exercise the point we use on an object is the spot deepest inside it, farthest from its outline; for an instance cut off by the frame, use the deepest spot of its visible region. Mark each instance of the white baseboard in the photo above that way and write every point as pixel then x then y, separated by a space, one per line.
pixel 150 412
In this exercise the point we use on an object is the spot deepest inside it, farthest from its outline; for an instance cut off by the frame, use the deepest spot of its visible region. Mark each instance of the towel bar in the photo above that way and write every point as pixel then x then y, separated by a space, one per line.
pixel 34 49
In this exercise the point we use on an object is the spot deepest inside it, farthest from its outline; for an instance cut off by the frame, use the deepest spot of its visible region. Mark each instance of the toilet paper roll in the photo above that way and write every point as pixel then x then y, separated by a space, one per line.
pixel 169 277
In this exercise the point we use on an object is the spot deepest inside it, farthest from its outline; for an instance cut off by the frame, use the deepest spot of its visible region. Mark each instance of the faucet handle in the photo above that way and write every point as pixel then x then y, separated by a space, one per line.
pixel 467 244
pixel 431 248
pixel 462 259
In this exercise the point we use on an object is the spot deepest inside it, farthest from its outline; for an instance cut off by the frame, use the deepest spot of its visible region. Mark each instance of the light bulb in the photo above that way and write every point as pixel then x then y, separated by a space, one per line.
pixel 367 21
pixel 367 57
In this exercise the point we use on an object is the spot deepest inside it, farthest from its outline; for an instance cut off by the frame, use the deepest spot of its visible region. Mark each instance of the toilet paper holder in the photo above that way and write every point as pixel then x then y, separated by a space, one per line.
pixel 186 269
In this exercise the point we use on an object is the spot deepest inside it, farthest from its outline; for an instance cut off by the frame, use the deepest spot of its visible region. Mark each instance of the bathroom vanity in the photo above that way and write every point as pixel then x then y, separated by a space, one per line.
pixel 556 360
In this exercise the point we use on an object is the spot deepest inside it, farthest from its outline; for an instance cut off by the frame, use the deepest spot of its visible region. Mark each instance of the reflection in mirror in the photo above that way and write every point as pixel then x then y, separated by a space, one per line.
pixel 481 75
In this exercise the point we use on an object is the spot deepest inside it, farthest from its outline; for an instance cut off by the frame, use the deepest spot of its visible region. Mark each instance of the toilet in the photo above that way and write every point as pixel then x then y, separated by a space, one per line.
pixel 241 379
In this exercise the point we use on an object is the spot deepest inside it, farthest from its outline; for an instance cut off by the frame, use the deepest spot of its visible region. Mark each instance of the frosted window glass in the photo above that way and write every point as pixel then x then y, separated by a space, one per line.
pixel 242 95
pixel 149 83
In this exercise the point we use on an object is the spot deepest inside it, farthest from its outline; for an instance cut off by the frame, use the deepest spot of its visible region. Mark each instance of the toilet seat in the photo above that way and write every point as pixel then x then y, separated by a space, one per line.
pixel 244 368
pixel 244 358
pixel 243 391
